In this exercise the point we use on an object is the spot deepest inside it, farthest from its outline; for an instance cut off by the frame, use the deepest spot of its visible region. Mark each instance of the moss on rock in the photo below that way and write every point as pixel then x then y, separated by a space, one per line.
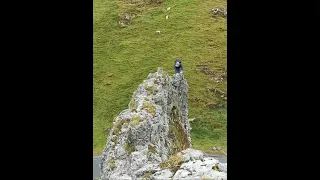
pixel 135 120
pixel 129 148
pixel 178 133
pixel 112 163
pixel 132 105
pixel 152 149
pixel 147 175
pixel 150 108
pixel 173 162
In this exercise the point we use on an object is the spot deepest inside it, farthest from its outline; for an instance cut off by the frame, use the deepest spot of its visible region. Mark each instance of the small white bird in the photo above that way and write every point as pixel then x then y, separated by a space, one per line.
pixel 168 9
pixel 167 16
pixel 158 32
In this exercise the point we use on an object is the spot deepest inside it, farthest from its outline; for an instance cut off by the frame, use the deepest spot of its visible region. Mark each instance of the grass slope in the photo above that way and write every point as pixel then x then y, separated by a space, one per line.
pixel 124 56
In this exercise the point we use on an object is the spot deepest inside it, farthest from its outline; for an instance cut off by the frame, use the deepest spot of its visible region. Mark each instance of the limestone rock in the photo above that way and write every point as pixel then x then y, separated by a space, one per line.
pixel 163 174
pixel 223 167
pixel 191 154
pixel 219 11
pixel 200 169
pixel 155 123
pixel 154 127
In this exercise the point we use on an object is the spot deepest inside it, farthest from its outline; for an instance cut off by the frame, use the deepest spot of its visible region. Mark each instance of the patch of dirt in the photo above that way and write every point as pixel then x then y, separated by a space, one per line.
pixel 204 69
pixel 215 76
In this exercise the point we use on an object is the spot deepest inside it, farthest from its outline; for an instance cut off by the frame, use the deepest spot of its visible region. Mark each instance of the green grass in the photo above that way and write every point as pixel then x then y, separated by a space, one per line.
pixel 124 56
pixel 205 134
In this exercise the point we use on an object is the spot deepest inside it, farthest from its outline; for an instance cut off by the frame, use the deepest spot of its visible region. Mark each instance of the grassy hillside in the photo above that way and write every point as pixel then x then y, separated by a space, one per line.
pixel 125 55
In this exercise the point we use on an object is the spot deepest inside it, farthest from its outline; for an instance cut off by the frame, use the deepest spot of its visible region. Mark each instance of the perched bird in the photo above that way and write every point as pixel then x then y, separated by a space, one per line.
pixel 168 9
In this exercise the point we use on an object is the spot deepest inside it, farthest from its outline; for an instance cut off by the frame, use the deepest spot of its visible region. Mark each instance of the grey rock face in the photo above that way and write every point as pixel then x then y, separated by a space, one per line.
pixel 200 169
pixel 192 154
pixel 219 11
pixel 163 174
pixel 223 167
pixel 145 133
pixel 155 126
pixel 147 168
